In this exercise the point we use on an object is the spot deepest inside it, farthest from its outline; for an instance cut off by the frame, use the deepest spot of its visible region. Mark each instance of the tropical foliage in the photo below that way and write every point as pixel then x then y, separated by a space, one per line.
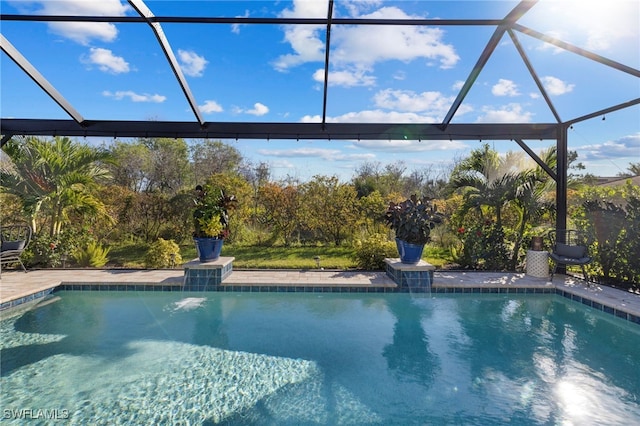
pixel 121 198
pixel 611 218
pixel 413 219
pixel 55 178
pixel 94 255
pixel 503 200
pixel 211 212
pixel 371 252
pixel 163 254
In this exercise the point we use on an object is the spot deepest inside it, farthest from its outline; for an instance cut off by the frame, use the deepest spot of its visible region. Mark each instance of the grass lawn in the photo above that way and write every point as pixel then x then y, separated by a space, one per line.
pixel 290 257
pixel 258 257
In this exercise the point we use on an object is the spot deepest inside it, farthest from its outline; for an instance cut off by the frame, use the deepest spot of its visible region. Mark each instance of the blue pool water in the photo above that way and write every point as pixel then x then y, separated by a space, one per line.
pixel 309 359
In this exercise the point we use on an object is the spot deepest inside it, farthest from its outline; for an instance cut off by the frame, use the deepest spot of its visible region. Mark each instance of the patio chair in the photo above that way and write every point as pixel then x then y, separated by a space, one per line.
pixel 13 240
pixel 569 247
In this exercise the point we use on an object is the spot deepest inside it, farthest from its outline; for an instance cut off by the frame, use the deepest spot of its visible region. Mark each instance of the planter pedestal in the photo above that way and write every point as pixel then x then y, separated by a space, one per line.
pixel 206 276
pixel 538 263
pixel 416 277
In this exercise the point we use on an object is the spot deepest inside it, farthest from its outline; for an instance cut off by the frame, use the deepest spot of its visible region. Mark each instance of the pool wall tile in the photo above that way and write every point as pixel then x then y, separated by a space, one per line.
pixel 411 280
pixel 34 297
pixel 621 314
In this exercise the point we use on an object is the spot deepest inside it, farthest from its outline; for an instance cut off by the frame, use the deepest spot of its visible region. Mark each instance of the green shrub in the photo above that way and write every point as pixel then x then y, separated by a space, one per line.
pixel 47 251
pixel 371 252
pixel 483 247
pixel 94 255
pixel 163 254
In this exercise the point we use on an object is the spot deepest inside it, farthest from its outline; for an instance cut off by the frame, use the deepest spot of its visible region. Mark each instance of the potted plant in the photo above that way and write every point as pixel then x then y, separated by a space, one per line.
pixel 211 221
pixel 412 220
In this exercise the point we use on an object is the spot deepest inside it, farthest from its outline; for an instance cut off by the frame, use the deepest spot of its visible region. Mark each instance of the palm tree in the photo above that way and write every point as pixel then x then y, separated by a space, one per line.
pixel 486 179
pixel 489 180
pixel 532 201
pixel 57 176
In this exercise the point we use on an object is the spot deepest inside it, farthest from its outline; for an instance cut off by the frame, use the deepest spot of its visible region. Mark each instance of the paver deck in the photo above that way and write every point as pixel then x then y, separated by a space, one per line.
pixel 16 284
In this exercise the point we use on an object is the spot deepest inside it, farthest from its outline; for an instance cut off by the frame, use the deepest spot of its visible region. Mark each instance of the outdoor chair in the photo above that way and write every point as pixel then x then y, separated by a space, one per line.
pixel 13 240
pixel 569 247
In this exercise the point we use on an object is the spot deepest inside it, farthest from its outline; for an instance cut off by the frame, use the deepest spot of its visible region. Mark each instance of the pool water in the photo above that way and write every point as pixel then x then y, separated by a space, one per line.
pixel 319 358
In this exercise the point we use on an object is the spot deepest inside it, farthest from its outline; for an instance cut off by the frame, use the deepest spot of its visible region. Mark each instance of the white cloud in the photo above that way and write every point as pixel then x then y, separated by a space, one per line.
pixel 304 39
pixel 345 78
pixel 134 97
pixel 191 63
pixel 410 145
pixel 627 146
pixel 325 154
pixel 235 28
pixel 457 85
pixel 363 45
pixel 388 101
pixel 80 32
pixel 597 26
pixel 209 107
pixel 505 88
pixel 432 103
pixel 83 32
pixel 258 109
pixel 555 86
pixel 356 157
pixel 282 164
pixel 558 35
pixel 511 113
pixel 372 116
pixel 107 61
pixel 355 8
pixel 399 75
pixel 307 45
pixel 399 106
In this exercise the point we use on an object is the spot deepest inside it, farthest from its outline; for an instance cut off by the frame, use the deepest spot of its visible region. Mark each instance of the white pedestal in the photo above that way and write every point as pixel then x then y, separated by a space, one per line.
pixel 538 263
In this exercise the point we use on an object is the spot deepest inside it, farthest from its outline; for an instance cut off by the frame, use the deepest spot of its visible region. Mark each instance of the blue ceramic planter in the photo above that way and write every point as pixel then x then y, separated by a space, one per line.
pixel 409 253
pixel 208 248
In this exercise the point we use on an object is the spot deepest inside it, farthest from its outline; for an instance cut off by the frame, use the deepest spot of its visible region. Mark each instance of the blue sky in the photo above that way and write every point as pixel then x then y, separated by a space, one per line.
pixel 274 73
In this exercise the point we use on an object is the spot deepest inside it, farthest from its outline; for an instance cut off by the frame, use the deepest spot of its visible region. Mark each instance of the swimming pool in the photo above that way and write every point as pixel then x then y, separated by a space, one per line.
pixel 309 358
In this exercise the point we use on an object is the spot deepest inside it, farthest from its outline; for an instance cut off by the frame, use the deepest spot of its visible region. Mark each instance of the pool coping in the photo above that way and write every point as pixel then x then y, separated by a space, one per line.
pixel 18 288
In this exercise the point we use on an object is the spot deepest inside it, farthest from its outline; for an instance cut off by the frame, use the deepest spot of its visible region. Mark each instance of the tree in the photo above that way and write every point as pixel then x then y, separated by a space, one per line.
pixel 56 176
pixel 257 176
pixel 151 165
pixel 371 209
pixel 365 178
pixel 426 182
pixel 330 208
pixel 632 170
pixel 371 176
pixel 213 157
pixel 281 209
pixel 532 201
pixel 487 183
pixel 131 165
pixel 169 165
pixel 486 180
